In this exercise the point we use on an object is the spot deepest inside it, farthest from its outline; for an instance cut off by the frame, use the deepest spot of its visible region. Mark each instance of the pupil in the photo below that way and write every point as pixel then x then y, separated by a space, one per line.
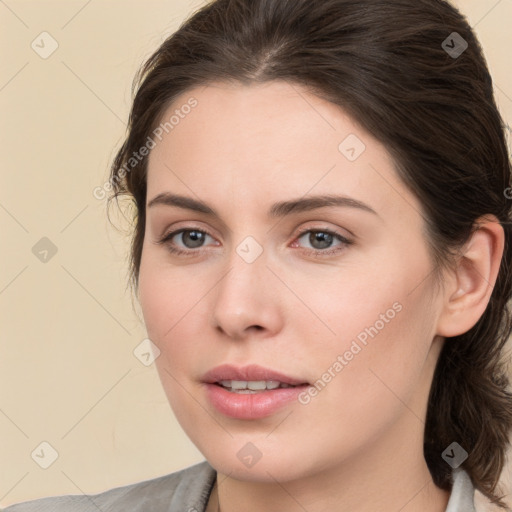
pixel 320 240
pixel 196 238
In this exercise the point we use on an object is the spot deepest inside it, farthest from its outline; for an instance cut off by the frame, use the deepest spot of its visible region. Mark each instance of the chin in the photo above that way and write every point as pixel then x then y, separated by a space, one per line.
pixel 266 465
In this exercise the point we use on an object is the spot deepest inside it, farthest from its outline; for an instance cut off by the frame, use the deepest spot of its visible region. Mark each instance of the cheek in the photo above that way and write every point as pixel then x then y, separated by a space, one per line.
pixel 170 300
pixel 175 320
pixel 353 301
pixel 384 325
pixel 378 314
pixel 167 295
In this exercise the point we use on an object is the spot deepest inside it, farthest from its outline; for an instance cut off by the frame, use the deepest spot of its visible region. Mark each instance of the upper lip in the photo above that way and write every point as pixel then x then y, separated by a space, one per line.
pixel 251 372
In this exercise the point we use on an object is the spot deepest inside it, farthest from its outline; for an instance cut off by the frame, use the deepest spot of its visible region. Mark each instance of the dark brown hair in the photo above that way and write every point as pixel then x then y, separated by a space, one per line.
pixel 391 66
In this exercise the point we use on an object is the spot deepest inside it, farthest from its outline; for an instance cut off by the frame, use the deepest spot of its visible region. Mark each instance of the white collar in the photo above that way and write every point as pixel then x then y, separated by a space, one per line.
pixel 462 495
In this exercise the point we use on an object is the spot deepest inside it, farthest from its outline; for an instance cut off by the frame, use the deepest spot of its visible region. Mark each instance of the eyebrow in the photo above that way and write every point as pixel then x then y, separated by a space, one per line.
pixel 277 210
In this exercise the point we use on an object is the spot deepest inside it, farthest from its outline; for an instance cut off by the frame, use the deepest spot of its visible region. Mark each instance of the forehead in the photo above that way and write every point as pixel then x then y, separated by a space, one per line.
pixel 270 140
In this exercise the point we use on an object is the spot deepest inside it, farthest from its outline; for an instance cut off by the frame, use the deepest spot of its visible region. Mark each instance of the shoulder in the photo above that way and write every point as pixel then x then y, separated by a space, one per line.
pixel 182 491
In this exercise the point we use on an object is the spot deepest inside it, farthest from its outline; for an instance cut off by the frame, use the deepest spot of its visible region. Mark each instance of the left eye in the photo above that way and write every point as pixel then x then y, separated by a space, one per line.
pixel 322 239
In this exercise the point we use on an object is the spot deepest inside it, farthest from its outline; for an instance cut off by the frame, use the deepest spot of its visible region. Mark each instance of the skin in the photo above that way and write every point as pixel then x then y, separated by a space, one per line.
pixel 358 444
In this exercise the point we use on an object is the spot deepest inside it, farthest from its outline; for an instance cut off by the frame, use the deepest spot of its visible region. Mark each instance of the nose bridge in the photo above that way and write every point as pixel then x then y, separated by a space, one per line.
pixel 243 283
pixel 243 298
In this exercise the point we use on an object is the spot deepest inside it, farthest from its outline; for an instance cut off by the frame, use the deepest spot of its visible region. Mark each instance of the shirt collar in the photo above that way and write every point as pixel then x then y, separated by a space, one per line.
pixel 463 492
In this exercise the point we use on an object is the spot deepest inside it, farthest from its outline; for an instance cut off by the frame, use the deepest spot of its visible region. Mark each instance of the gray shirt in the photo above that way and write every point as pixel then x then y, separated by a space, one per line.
pixel 187 490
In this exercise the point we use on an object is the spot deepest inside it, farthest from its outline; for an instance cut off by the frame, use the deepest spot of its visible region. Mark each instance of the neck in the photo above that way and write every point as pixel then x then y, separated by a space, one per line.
pixel 386 478
pixel 420 495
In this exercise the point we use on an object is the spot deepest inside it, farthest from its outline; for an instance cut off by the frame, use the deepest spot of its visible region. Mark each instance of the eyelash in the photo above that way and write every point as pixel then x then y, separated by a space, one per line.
pixel 165 240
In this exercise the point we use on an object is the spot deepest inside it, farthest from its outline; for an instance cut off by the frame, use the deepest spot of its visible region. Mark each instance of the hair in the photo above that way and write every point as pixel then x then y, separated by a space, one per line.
pixel 385 64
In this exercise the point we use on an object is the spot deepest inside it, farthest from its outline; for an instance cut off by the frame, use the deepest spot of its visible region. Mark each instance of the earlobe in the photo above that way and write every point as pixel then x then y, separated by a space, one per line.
pixel 472 279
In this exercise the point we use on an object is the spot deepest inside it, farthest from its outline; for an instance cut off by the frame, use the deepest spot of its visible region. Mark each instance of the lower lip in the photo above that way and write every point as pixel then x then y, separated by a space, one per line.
pixel 251 406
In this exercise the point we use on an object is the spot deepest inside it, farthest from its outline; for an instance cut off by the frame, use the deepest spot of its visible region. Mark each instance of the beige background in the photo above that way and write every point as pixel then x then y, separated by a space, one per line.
pixel 68 375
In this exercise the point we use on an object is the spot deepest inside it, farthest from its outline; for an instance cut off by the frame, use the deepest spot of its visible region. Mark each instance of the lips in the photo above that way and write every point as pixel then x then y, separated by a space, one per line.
pixel 250 392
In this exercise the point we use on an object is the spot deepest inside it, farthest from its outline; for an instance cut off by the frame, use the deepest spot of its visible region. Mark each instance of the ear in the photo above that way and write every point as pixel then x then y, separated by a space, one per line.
pixel 468 286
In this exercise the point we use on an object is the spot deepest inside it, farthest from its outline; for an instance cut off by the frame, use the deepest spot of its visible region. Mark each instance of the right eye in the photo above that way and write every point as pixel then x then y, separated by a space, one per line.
pixel 185 241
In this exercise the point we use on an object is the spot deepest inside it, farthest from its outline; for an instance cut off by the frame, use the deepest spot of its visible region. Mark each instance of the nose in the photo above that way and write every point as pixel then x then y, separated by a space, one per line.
pixel 247 303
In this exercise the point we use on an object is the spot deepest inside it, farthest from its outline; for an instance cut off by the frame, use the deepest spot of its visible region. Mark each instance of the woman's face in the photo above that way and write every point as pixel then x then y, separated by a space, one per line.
pixel 336 294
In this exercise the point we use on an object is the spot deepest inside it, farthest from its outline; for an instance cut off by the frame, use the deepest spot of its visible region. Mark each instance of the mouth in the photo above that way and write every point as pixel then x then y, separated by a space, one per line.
pixel 250 392
pixel 250 379
pixel 253 386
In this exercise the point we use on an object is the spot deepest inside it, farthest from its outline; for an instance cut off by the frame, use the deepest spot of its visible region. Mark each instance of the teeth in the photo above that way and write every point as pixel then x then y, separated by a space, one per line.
pixel 238 384
pixel 244 386
pixel 257 385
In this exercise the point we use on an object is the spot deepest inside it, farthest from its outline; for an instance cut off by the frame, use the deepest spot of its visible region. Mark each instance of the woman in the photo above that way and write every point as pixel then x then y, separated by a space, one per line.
pixel 321 251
